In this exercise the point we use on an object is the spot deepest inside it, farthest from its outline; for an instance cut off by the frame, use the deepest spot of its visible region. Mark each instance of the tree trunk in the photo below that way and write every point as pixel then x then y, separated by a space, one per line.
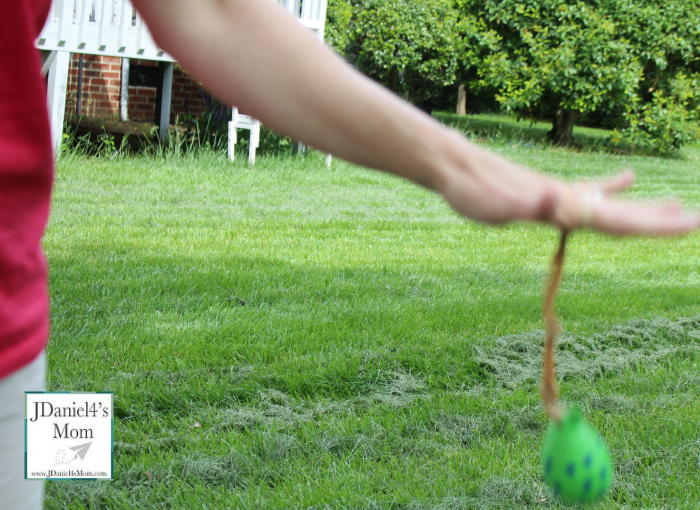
pixel 461 101
pixel 563 122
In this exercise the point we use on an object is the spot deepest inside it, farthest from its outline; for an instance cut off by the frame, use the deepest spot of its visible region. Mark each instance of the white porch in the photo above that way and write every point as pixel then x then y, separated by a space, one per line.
pixel 114 28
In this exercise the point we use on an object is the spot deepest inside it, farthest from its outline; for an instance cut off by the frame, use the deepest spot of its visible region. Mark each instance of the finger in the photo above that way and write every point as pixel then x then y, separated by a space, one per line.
pixel 673 206
pixel 615 184
pixel 622 217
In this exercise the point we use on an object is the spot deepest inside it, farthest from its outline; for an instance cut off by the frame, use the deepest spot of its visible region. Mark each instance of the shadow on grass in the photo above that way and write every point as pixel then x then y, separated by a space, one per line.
pixel 533 134
pixel 261 354
pixel 176 328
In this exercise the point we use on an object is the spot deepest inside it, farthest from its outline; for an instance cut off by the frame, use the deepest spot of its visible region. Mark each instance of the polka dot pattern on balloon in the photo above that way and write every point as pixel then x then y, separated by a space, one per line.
pixel 575 463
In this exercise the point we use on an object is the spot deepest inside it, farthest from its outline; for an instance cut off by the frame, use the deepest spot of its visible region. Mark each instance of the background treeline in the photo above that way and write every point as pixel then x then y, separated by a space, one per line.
pixel 632 66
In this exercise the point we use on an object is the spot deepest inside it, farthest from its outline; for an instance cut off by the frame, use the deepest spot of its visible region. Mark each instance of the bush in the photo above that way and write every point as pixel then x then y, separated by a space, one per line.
pixel 338 22
pixel 271 144
pixel 663 125
pixel 551 59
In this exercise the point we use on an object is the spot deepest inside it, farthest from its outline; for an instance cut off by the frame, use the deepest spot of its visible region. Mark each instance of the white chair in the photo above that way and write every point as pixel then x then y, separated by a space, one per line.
pixel 239 121
pixel 311 14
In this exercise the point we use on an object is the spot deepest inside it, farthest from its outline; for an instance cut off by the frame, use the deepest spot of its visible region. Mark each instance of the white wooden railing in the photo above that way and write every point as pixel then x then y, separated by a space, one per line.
pixel 114 28
pixel 311 13
pixel 99 27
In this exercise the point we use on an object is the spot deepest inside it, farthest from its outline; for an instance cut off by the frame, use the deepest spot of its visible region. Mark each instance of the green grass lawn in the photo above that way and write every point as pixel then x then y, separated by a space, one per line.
pixel 288 336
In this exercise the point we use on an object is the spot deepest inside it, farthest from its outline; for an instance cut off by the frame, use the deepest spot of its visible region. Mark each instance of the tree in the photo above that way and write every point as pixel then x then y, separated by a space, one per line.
pixel 666 38
pixel 552 58
pixel 410 46
pixel 633 65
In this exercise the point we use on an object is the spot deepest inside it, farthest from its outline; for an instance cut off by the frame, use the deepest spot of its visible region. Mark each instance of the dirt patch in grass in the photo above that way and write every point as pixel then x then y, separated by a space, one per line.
pixel 516 360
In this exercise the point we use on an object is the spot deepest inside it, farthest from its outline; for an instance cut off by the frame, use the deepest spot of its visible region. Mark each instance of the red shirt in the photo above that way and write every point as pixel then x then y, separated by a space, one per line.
pixel 26 173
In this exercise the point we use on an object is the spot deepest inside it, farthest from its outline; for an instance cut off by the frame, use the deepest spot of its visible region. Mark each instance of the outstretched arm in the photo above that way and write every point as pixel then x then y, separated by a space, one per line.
pixel 253 54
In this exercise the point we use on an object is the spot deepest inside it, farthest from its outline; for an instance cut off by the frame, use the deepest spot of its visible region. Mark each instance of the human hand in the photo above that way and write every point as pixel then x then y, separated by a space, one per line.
pixel 489 188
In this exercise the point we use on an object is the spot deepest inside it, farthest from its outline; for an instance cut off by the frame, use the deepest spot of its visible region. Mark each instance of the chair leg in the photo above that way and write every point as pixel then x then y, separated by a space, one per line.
pixel 328 160
pixel 254 141
pixel 231 141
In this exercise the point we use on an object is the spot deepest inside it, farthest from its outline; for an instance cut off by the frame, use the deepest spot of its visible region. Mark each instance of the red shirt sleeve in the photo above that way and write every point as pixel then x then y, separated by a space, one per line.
pixel 26 174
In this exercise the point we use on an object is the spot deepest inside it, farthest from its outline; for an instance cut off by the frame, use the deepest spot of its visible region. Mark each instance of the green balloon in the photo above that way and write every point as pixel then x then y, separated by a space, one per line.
pixel 575 462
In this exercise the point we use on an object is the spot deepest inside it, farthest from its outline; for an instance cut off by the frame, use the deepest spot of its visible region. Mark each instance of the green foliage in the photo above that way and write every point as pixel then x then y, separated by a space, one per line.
pixel 210 131
pixel 666 38
pixel 412 47
pixel 588 56
pixel 102 143
pixel 551 54
pixel 664 35
pixel 270 143
pixel 664 124
pixel 338 22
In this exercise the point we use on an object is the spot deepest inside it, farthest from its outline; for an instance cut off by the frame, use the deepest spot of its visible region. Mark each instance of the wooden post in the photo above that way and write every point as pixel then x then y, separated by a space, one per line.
pixel 56 97
pixel 124 93
pixel 46 61
pixel 163 97
pixel 79 95
pixel 461 101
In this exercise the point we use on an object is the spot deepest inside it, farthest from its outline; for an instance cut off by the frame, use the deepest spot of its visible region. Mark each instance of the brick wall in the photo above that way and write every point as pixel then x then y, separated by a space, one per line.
pixel 102 89
pixel 101 85
pixel 186 95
